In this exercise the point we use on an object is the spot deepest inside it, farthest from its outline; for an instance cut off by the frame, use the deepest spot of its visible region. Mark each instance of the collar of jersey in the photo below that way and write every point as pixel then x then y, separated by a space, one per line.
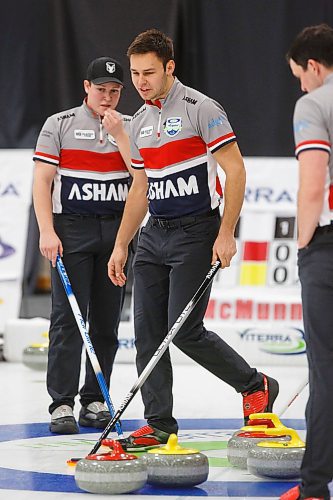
pixel 329 78
pixel 89 111
pixel 175 88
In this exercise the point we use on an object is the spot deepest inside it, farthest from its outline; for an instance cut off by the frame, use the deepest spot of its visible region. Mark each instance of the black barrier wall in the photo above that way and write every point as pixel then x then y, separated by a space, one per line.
pixel 233 50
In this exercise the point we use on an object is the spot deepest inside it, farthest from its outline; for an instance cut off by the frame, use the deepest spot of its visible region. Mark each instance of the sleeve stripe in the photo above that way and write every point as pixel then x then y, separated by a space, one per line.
pixel 44 160
pixel 222 144
pixel 138 164
pixel 54 160
pixel 221 141
pixel 310 145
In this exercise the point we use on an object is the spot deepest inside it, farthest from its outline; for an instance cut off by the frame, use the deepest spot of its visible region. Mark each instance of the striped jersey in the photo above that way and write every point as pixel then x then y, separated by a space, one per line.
pixel 313 129
pixel 91 176
pixel 174 139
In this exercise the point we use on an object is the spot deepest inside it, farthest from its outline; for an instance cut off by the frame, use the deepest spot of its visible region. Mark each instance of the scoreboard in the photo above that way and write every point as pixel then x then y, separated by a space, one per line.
pixel 266 252
pixel 266 231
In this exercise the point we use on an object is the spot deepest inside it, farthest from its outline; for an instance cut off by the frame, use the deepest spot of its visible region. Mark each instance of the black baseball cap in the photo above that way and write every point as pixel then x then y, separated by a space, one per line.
pixel 105 69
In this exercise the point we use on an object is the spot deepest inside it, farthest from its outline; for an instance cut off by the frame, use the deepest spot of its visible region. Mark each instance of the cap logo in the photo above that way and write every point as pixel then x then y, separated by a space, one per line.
pixel 110 67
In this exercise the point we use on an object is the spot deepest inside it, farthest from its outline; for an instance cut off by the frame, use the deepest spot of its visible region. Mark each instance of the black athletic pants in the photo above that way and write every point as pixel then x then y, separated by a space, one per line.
pixel 316 274
pixel 88 242
pixel 171 261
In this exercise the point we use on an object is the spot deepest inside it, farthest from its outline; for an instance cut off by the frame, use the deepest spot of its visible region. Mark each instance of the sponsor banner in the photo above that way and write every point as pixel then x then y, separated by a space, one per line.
pixel 271 343
pixel 263 325
pixel 271 184
pixel 15 200
pixel 274 343
pixel 16 167
pixel 14 218
pixel 254 304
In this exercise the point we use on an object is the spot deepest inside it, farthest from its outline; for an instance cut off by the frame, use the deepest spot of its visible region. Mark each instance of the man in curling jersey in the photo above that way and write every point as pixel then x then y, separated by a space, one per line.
pixel 81 181
pixel 178 137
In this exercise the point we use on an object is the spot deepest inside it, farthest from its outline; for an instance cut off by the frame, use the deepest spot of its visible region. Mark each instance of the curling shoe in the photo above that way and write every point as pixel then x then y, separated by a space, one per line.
pixel 295 494
pixel 144 438
pixel 260 400
pixel 94 415
pixel 63 421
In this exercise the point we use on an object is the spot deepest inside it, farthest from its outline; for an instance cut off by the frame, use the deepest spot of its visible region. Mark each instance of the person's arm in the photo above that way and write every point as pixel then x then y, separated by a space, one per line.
pixel 231 161
pixel 49 243
pixel 136 207
pixel 312 177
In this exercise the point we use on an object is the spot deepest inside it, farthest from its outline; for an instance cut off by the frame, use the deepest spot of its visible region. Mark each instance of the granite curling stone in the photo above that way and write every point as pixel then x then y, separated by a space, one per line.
pixel 35 356
pixel 111 473
pixel 278 460
pixel 240 445
pixel 174 466
pixel 243 440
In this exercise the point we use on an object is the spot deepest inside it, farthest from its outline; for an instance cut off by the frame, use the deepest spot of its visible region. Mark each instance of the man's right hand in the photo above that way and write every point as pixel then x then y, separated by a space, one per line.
pixel 116 266
pixel 50 246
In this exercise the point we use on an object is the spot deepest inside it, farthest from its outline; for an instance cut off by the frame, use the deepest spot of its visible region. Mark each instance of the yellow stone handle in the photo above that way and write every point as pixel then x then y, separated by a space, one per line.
pixel 294 442
pixel 267 416
pixel 173 448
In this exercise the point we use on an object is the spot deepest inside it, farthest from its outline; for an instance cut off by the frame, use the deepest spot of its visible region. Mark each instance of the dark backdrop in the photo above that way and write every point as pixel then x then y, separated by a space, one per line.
pixel 233 50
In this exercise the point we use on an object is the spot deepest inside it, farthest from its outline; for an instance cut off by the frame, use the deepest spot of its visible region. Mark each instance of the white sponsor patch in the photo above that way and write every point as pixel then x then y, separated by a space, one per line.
pixel 84 134
pixel 146 131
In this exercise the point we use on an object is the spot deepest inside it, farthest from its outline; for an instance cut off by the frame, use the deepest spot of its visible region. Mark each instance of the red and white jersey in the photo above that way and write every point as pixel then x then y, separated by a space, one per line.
pixel 313 129
pixel 91 176
pixel 173 140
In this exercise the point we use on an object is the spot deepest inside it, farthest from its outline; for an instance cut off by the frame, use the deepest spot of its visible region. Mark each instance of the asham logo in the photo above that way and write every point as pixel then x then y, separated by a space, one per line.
pixel 5 250
pixel 280 341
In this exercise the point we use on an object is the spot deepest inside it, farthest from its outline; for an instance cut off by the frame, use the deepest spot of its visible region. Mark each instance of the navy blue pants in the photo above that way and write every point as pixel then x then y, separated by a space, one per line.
pixel 316 274
pixel 88 243
pixel 170 264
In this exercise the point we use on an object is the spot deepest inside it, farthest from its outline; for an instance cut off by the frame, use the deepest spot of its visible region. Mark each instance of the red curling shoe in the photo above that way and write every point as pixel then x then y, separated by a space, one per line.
pixel 295 494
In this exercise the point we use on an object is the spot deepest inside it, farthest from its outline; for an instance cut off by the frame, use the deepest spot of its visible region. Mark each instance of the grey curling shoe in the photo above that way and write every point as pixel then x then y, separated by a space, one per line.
pixel 94 415
pixel 63 421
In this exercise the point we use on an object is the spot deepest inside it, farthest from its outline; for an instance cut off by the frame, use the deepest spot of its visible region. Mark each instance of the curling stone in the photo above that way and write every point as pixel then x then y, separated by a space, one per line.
pixel 240 445
pixel 244 439
pixel 111 473
pixel 278 460
pixel 174 466
pixel 35 356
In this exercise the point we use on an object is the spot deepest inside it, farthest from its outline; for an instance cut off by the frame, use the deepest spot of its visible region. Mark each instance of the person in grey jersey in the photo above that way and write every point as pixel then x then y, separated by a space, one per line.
pixel 81 181
pixel 311 61
pixel 178 138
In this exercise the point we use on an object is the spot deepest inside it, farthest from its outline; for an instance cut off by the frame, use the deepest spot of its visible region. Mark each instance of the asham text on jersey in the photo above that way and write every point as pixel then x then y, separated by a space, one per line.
pixel 160 190
pixel 98 192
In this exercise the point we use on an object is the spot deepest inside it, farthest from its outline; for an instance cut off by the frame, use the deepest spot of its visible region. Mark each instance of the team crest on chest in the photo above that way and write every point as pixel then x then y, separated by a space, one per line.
pixel 172 126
